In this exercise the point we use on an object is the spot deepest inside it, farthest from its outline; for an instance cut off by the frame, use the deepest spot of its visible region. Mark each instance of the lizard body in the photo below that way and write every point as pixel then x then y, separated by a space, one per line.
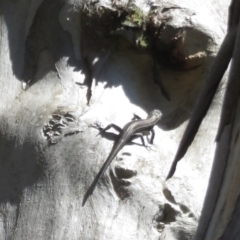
pixel 129 132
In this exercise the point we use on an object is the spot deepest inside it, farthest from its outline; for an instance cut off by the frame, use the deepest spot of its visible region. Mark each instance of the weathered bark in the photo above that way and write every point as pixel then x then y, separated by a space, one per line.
pixel 49 155
pixel 220 215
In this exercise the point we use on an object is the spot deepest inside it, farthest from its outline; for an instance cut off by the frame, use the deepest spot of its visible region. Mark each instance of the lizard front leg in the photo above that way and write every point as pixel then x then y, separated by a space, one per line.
pixel 152 137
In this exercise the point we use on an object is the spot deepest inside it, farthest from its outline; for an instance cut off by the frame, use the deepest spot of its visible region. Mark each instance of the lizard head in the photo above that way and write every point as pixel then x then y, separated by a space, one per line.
pixel 155 113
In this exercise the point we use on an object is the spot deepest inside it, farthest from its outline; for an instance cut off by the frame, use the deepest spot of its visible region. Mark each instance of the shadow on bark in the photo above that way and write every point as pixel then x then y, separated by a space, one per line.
pixel 163 46
pixel 21 167
pixel 44 34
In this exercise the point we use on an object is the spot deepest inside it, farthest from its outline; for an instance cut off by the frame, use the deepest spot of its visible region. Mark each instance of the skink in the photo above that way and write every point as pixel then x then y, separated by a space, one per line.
pixel 129 132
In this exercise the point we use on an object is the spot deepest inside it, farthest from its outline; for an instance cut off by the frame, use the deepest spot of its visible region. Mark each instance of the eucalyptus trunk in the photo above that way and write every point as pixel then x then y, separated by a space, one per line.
pixel 67 65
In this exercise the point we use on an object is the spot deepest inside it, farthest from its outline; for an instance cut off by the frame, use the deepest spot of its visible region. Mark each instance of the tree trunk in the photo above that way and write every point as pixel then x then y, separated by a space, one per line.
pixel 220 214
pixel 68 64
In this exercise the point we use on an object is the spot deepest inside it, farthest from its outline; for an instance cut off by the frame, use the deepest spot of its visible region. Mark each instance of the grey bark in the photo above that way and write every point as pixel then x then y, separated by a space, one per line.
pixel 220 215
pixel 49 156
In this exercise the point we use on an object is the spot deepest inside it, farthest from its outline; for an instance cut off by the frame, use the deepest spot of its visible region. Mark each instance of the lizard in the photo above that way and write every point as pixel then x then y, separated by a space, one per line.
pixel 129 132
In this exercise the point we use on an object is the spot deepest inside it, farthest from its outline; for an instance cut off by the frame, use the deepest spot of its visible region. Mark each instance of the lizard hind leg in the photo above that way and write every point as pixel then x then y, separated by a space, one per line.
pixel 138 135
